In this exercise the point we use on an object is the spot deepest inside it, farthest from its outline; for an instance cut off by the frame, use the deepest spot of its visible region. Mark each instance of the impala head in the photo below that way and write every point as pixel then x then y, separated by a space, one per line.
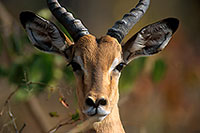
pixel 97 62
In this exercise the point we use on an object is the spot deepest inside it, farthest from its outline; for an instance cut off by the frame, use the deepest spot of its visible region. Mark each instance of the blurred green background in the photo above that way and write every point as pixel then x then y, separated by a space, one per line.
pixel 158 94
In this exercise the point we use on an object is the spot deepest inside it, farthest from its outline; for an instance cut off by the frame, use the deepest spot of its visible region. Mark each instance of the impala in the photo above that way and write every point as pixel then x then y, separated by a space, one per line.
pixel 98 62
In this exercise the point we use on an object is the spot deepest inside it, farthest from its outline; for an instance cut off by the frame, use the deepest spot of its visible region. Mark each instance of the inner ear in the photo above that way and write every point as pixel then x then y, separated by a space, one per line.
pixel 150 39
pixel 43 34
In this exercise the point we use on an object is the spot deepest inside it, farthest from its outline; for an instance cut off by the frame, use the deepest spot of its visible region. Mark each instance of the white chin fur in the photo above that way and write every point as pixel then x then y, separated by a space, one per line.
pixel 100 115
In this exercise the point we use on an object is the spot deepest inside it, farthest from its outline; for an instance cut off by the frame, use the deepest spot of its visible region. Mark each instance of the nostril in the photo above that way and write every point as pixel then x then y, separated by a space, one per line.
pixel 89 102
pixel 102 102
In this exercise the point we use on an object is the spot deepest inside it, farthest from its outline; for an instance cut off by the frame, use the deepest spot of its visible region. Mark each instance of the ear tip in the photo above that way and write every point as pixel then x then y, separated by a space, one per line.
pixel 25 17
pixel 172 23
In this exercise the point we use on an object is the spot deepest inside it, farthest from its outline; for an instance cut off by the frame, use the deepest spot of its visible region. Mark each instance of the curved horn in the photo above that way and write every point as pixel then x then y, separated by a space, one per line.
pixel 123 26
pixel 73 26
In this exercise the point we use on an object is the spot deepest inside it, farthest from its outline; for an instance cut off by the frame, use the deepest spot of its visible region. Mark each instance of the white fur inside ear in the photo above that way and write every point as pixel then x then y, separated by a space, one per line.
pixel 138 44
pixel 45 35
pixel 164 44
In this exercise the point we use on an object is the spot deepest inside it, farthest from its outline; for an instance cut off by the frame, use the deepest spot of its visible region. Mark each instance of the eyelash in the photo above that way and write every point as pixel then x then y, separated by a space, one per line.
pixel 75 66
pixel 120 66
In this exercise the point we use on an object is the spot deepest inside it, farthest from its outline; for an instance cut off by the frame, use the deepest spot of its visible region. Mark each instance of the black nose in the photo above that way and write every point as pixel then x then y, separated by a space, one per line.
pixel 90 102
pixel 102 102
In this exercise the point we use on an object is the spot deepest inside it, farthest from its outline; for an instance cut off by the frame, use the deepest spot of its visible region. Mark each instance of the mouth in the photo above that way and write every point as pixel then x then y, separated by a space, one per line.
pixel 98 112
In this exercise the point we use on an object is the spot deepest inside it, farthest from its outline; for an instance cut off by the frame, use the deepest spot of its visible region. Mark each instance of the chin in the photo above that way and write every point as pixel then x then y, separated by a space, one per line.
pixel 97 115
pixel 100 118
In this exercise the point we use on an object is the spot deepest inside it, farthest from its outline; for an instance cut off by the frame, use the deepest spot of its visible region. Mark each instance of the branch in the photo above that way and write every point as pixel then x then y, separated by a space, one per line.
pixel 22 128
pixel 85 126
pixel 62 123
pixel 8 100
pixel 34 109
pixel 10 114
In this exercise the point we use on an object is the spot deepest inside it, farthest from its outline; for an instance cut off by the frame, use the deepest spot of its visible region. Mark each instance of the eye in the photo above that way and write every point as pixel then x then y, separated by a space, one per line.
pixel 119 67
pixel 75 66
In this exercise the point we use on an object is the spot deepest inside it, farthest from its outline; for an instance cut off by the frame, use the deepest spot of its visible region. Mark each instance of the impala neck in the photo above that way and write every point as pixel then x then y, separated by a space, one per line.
pixel 111 124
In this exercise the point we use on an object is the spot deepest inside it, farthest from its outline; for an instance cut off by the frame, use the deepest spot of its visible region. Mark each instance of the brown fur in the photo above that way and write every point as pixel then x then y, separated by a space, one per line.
pixel 97 56
pixel 96 80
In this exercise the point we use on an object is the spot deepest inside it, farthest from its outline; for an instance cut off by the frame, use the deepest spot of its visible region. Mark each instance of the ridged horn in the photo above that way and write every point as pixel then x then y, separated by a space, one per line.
pixel 123 26
pixel 74 26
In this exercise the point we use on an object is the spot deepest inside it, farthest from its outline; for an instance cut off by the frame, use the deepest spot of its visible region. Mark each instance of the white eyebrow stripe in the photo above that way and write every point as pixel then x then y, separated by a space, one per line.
pixel 80 61
pixel 114 64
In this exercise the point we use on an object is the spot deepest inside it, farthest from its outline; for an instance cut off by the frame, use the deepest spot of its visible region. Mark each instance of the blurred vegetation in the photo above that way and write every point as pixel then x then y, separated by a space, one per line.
pixel 159 70
pixel 166 99
pixel 43 68
pixel 39 67
pixel 130 74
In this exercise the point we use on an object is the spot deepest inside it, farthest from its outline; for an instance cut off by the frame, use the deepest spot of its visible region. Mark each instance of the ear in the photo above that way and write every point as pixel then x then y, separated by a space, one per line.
pixel 44 35
pixel 150 40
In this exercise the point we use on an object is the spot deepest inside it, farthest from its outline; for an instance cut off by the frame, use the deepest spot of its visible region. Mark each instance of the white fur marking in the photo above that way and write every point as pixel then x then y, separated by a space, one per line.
pixel 79 60
pixel 114 64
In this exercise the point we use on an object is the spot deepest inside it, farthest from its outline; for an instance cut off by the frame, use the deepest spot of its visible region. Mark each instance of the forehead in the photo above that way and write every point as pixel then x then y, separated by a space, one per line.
pixel 93 51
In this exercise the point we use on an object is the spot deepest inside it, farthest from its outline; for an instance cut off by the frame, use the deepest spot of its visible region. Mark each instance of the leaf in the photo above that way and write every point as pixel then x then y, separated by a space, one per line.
pixel 53 114
pixel 22 95
pixel 62 28
pixel 3 72
pixel 63 102
pixel 130 73
pixel 41 69
pixel 76 116
pixel 69 76
pixel 45 13
pixel 15 44
pixel 159 70
pixel 16 73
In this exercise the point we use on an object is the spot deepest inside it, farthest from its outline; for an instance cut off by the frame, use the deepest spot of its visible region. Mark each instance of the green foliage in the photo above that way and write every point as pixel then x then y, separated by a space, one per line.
pixel 45 13
pixel 159 70
pixel 16 44
pixel 130 73
pixel 36 67
pixel 62 28
pixel 1 43
pixel 3 72
pixel 22 94
pixel 76 116
pixel 53 114
pixel 41 68
pixel 16 73
pixel 69 76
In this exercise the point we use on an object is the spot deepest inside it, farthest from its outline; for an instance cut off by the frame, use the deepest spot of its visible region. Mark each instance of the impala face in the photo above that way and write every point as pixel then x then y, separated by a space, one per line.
pixel 97 62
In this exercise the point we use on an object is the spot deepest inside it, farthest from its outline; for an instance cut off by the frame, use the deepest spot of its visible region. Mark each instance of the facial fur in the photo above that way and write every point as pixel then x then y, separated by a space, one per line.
pixel 97 77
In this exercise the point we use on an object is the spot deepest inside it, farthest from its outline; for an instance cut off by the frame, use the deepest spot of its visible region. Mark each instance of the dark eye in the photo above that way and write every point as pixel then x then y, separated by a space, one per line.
pixel 75 66
pixel 120 66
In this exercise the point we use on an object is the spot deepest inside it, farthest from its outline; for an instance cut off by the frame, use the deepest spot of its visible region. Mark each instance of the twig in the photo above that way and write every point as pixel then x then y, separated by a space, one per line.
pixel 8 100
pixel 22 128
pixel 13 119
pixel 6 104
pixel 61 123
pixel 85 126
pixel 5 125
